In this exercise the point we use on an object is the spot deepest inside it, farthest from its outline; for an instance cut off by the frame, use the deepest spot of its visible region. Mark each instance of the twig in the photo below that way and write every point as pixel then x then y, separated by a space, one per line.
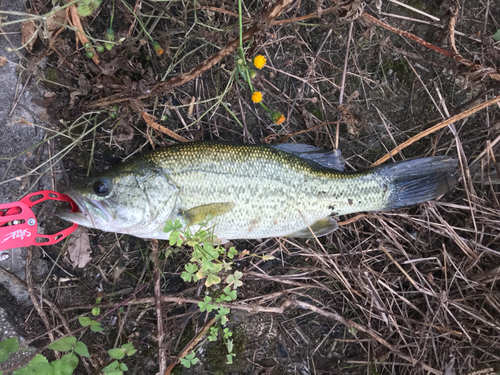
pixel 275 310
pixel 159 315
pixel 451 26
pixel 151 123
pixel 190 346
pixel 75 21
pixel 253 309
pixel 352 219
pixel 220 10
pixel 342 85
pixel 138 5
pixel 431 130
pixel 306 17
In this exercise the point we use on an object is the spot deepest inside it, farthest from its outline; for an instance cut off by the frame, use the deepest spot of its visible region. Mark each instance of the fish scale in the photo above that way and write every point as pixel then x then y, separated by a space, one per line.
pixel 250 191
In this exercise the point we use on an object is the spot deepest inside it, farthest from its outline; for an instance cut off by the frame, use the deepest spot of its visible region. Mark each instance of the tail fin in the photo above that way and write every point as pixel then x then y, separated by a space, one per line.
pixel 415 181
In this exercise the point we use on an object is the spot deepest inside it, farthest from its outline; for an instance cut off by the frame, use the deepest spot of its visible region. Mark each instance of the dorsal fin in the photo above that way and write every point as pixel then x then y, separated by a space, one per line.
pixel 313 155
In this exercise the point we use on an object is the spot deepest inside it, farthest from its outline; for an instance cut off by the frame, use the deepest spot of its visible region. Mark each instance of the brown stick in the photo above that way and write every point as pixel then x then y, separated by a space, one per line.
pixel 431 130
pixel 253 309
pixel 352 219
pixel 303 18
pixel 159 315
pixel 451 27
pixel 75 20
pixel 190 346
pixel 138 5
pixel 151 123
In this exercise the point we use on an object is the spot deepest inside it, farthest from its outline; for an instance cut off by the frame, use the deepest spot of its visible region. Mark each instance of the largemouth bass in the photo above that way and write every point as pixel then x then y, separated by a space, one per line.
pixel 249 191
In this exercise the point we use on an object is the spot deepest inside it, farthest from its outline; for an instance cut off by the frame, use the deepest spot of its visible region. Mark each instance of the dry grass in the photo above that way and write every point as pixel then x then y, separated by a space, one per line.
pixel 414 291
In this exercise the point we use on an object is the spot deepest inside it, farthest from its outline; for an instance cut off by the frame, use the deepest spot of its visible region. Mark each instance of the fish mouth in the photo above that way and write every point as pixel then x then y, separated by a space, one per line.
pixel 89 212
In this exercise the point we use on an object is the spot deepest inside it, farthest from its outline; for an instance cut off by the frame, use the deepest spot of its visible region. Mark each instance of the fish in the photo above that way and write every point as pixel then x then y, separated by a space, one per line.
pixel 249 191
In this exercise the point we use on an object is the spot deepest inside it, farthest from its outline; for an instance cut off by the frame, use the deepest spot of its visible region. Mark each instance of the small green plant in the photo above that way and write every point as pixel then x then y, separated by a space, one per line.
pixel 189 360
pixel 95 326
pixel 7 347
pixel 496 36
pixel 110 33
pixel 40 364
pixel 248 73
pixel 87 7
pixel 212 264
pixel 116 367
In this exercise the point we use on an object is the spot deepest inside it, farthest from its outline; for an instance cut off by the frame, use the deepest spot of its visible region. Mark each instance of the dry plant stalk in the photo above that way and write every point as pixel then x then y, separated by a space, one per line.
pixel 159 315
pixel 190 346
pixel 80 35
pixel 150 121
pixel 431 130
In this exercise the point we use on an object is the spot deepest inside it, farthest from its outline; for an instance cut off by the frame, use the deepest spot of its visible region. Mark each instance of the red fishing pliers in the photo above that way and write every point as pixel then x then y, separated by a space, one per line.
pixel 18 224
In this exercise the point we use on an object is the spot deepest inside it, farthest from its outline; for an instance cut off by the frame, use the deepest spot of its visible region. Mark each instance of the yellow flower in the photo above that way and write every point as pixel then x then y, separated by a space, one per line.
pixel 256 97
pixel 259 61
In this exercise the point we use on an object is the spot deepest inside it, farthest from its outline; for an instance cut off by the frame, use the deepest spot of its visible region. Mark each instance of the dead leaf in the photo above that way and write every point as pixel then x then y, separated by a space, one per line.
pixel 73 96
pixel 350 10
pixel 124 133
pixel 56 21
pixel 79 248
pixel 28 33
pixel 3 61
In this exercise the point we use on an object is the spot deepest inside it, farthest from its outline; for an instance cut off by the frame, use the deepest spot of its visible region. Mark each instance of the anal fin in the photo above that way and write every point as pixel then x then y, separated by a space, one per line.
pixel 320 228
pixel 198 214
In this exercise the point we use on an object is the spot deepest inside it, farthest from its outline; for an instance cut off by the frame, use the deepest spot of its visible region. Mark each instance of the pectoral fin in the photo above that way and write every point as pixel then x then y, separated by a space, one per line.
pixel 320 228
pixel 198 214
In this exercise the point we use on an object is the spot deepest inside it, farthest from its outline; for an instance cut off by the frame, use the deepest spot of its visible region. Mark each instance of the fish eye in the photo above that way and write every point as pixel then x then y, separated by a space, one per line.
pixel 100 187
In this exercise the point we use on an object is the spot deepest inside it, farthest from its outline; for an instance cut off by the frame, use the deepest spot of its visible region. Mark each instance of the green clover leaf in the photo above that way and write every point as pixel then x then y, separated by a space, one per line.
pixel 169 226
pixel 206 305
pixel 232 253
pixel 235 279
pixel 212 280
pixel 189 360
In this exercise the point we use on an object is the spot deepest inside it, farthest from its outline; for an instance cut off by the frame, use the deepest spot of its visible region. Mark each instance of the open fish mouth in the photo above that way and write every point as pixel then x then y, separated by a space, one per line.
pixel 90 212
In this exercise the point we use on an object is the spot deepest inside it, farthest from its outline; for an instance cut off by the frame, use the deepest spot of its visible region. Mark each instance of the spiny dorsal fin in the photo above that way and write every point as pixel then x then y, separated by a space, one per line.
pixel 313 155
pixel 320 228
pixel 198 214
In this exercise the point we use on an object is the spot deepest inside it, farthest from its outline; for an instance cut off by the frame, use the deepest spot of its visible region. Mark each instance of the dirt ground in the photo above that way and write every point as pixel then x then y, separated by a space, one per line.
pixel 411 291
